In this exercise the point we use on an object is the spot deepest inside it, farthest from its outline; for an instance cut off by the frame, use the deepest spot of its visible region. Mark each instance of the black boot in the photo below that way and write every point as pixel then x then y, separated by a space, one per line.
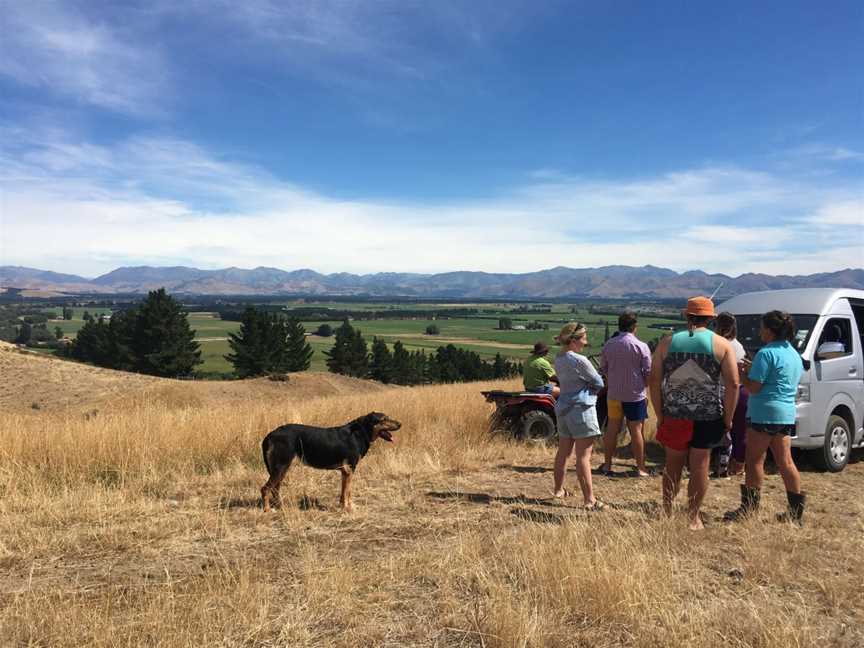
pixel 749 504
pixel 796 508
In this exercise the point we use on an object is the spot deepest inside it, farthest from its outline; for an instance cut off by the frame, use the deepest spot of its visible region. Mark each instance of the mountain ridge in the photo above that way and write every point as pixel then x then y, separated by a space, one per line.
pixel 615 281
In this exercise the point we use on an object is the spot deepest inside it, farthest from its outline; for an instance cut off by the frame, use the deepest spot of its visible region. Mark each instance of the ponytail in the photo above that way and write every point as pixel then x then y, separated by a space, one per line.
pixel 780 324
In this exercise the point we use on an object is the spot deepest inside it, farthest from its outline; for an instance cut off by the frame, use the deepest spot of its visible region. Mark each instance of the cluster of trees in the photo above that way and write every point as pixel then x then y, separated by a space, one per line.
pixel 318 313
pixel 537 326
pixel 22 323
pixel 152 338
pixel 268 344
pixel 351 356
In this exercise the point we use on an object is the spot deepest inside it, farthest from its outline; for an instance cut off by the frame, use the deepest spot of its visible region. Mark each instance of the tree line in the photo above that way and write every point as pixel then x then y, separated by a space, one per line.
pixel 352 356
pixel 155 338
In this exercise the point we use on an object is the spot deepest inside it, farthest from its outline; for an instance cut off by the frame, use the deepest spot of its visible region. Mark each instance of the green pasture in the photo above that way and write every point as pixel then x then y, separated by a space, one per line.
pixel 478 334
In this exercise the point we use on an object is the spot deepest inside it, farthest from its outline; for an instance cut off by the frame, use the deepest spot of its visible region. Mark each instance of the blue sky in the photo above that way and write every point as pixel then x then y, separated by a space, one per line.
pixel 416 136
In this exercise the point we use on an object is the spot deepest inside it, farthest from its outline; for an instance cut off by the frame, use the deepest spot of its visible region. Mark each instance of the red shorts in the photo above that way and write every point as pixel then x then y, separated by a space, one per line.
pixel 682 434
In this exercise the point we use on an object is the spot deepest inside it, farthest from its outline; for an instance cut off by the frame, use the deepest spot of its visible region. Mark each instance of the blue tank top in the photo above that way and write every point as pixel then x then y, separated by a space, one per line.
pixel 692 387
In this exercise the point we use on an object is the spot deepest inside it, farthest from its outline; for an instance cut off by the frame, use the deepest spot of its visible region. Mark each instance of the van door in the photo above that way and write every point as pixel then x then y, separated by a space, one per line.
pixel 840 372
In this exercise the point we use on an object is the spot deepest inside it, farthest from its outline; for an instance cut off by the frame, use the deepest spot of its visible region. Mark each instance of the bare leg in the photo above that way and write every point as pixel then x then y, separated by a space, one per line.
pixel 565 447
pixel 697 485
pixel 757 446
pixel 781 449
pixel 583 449
pixel 610 441
pixel 675 460
pixel 637 445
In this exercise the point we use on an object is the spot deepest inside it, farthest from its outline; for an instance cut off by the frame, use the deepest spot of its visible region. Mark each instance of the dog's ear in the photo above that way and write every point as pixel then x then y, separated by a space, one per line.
pixel 373 418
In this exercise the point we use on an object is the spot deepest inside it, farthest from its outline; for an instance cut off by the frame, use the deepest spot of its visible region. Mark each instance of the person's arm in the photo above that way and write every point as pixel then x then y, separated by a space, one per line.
pixel 549 370
pixel 590 375
pixel 729 371
pixel 757 374
pixel 655 378
pixel 646 363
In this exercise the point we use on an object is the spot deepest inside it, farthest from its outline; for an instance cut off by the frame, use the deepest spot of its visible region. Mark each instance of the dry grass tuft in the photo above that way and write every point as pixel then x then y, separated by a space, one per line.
pixel 140 525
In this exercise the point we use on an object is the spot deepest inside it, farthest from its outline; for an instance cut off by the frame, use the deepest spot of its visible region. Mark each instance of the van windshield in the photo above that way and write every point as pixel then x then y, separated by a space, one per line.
pixel 748 331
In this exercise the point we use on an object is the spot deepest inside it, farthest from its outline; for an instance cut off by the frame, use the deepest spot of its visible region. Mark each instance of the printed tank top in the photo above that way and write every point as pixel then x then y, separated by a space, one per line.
pixel 692 387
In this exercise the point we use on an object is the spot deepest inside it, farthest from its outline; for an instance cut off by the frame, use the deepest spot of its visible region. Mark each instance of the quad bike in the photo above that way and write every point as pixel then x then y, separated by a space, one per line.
pixel 531 417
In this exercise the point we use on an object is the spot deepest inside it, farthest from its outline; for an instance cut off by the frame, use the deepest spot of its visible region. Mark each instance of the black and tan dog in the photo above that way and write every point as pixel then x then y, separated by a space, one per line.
pixel 334 448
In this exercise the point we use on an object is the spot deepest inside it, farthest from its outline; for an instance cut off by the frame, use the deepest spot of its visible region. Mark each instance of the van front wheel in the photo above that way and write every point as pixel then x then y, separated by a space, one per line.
pixel 834 454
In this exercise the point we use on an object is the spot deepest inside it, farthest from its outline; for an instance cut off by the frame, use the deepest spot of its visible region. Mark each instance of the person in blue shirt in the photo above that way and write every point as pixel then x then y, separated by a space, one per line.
pixel 772 381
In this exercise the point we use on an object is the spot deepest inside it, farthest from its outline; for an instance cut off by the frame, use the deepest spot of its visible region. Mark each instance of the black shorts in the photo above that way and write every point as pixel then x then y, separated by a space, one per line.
pixel 708 435
pixel 774 429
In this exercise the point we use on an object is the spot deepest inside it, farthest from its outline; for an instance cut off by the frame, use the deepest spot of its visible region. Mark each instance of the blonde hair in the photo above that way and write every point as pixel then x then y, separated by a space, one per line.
pixel 571 331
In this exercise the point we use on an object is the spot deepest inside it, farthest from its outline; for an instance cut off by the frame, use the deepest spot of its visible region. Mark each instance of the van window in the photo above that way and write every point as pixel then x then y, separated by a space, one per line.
pixel 838 329
pixel 749 325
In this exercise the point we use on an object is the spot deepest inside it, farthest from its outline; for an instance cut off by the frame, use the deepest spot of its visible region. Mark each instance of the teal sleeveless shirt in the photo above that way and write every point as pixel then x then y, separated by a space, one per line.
pixel 692 386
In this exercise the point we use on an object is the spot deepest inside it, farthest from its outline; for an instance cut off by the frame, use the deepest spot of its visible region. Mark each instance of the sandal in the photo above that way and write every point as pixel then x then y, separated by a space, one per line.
pixel 596 506
pixel 562 494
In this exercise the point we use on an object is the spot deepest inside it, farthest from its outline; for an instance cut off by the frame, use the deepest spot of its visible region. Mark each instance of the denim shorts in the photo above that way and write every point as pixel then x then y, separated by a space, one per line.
pixel 579 422
pixel 542 389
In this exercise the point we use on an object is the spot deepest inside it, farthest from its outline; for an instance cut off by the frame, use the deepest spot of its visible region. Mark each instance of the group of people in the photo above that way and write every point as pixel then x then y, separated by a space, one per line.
pixel 706 394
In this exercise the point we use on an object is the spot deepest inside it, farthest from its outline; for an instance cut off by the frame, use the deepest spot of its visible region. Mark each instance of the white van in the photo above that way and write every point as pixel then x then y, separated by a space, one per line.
pixel 830 418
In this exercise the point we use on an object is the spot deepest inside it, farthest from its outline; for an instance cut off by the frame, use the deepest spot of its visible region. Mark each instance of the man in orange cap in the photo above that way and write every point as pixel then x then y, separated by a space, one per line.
pixel 694 390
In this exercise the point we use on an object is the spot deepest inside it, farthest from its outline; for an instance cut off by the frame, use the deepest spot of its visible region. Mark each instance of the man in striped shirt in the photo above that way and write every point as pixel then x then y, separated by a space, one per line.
pixel 626 363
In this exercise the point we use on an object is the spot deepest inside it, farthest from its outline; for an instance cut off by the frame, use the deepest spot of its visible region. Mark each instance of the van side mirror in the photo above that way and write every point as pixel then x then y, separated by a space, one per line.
pixel 828 350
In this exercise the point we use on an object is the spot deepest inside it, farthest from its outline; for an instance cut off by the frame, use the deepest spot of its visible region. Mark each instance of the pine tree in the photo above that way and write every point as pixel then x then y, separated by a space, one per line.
pixel 401 364
pixel 359 356
pixel 24 333
pixel 499 368
pixel 252 346
pixel 93 344
pixel 298 352
pixel 338 357
pixel 381 363
pixel 163 344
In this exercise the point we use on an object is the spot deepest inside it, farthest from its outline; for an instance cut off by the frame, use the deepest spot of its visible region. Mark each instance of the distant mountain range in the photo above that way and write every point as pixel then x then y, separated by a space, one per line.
pixel 606 282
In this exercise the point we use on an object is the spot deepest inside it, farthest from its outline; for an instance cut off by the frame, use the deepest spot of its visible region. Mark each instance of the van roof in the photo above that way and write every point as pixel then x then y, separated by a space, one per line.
pixel 802 301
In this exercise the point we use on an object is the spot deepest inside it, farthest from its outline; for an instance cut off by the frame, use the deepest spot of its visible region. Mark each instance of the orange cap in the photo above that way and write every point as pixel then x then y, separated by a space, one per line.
pixel 700 307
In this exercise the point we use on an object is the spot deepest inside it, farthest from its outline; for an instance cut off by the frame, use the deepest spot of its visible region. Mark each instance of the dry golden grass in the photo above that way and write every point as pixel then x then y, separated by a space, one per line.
pixel 140 526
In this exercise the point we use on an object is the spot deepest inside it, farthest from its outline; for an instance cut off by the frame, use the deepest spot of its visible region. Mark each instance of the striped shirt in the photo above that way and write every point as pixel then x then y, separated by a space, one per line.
pixel 626 363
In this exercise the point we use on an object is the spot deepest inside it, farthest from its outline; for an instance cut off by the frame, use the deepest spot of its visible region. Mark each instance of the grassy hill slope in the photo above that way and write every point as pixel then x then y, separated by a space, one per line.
pixel 140 525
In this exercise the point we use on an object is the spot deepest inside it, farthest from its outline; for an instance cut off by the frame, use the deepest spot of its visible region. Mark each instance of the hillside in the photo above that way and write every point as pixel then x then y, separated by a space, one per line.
pixel 39 383
pixel 606 282
pixel 141 525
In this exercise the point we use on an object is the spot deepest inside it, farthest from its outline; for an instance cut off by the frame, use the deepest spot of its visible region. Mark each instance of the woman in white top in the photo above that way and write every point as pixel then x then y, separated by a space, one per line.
pixel 728 328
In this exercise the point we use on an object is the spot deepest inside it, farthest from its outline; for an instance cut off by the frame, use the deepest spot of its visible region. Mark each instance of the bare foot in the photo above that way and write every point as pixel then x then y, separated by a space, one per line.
pixel 561 494
pixel 696 524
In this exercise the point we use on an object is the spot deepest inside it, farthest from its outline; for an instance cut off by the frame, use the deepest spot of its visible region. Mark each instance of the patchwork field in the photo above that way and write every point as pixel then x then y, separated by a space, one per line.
pixel 129 516
pixel 479 334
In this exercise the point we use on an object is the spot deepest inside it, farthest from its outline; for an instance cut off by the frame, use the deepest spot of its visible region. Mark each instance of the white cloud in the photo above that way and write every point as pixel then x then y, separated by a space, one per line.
pixel 849 212
pixel 53 46
pixel 73 206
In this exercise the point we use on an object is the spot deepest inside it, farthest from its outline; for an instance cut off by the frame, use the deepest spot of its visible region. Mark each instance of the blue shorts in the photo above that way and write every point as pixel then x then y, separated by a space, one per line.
pixel 632 411
pixel 542 389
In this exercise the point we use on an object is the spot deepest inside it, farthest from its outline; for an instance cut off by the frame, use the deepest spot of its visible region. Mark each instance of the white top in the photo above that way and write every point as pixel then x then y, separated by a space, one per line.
pixel 738 348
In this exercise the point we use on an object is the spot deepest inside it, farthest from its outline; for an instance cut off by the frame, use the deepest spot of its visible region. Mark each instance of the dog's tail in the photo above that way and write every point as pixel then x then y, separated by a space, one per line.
pixel 266 446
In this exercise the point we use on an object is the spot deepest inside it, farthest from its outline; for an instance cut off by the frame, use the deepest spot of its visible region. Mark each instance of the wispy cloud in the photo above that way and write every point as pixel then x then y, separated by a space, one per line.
pixel 54 46
pixel 71 205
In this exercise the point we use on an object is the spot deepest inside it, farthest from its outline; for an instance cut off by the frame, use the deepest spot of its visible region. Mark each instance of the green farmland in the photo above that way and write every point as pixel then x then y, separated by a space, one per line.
pixel 477 333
